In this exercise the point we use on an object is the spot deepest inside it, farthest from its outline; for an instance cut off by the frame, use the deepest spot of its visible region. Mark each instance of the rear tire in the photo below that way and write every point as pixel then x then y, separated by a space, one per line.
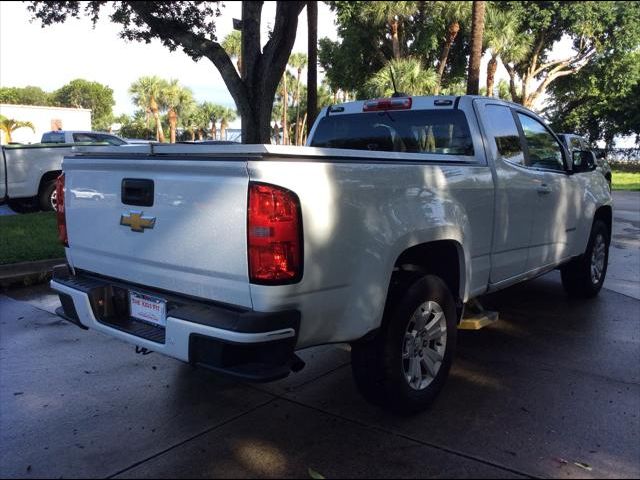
pixel 584 276
pixel 47 196
pixel 407 363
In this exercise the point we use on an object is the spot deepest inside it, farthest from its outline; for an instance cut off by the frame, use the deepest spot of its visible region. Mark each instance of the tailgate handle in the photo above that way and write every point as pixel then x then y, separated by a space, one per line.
pixel 137 191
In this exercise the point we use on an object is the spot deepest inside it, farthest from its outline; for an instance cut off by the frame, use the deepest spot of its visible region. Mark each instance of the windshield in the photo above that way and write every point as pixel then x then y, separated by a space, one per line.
pixel 416 131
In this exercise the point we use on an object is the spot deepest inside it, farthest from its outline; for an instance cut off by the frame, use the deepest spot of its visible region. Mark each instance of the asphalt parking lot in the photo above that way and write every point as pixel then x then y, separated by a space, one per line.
pixel 551 390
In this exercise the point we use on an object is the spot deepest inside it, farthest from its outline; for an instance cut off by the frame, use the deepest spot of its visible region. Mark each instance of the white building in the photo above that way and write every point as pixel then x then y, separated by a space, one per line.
pixel 44 119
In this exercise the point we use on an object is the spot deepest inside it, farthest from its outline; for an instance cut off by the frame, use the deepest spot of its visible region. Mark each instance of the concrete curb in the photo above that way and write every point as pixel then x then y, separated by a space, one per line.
pixel 27 273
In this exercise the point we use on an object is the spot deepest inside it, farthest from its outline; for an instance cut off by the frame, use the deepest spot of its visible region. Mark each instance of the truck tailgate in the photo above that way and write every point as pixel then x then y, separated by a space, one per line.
pixel 197 244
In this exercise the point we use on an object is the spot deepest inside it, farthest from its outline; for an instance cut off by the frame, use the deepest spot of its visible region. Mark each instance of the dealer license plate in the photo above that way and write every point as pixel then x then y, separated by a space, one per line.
pixel 149 309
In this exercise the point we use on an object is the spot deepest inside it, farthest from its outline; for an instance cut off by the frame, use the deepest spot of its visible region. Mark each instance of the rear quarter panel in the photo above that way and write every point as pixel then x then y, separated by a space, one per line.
pixel 357 219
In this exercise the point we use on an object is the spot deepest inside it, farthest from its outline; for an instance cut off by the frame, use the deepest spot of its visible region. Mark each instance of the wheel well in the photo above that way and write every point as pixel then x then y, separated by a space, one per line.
pixel 47 177
pixel 605 214
pixel 441 258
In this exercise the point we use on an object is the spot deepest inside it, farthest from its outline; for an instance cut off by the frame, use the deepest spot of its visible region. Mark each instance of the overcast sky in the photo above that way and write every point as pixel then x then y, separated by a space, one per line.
pixel 52 56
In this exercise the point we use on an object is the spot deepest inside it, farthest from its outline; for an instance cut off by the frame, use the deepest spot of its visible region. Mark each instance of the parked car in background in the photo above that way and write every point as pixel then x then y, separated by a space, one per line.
pixel 74 136
pixel 576 142
pixel 28 173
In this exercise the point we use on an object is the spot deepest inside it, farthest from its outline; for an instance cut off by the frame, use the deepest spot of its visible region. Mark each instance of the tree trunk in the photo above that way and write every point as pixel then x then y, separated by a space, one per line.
pixel 276 132
pixel 312 65
pixel 452 33
pixel 214 131
pixel 477 29
pixel 491 75
pixel 173 122
pixel 193 135
pixel 200 134
pixel 223 130
pixel 394 39
pixel 159 131
pixel 285 106
pixel 303 139
pixel 297 100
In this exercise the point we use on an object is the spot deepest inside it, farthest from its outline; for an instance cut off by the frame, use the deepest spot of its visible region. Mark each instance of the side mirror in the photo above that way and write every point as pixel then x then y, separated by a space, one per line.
pixel 583 161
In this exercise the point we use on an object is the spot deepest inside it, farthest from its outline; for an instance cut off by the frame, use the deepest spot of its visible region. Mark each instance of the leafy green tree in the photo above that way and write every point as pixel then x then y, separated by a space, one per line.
pixel 454 12
pixel 392 15
pixel 81 93
pixel 28 95
pixel 136 126
pixel 212 112
pixel 504 41
pixel 298 61
pixel 9 125
pixel 226 116
pixel 410 75
pixel 177 99
pixel 191 26
pixel 601 101
pixel 593 27
pixel 364 46
pixel 148 95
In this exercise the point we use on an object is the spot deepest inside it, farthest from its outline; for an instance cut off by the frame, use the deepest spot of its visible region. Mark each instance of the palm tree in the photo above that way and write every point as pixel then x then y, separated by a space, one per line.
pixel 177 99
pixel 298 61
pixel 312 70
pixel 227 115
pixel 514 53
pixel 9 125
pixel 147 94
pixel 477 30
pixel 212 112
pixel 410 75
pixel 391 14
pixel 232 44
pixel 285 107
pixel 454 12
pixel 189 120
pixel 501 37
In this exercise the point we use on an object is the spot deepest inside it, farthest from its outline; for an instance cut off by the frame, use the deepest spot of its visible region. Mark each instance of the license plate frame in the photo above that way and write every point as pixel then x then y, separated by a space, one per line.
pixel 148 308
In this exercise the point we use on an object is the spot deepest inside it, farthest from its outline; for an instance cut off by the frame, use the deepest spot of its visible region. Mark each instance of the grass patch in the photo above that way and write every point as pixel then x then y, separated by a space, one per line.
pixel 29 237
pixel 625 181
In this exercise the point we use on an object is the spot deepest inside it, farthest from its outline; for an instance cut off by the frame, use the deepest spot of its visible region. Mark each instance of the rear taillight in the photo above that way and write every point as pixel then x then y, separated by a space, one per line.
pixel 274 235
pixel 60 213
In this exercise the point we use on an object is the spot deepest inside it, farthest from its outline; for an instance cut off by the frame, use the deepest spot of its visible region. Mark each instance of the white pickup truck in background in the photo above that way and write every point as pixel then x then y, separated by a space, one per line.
pixel 397 213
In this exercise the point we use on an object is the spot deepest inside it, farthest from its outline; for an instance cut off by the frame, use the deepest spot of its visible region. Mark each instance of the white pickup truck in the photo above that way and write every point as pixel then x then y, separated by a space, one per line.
pixel 397 213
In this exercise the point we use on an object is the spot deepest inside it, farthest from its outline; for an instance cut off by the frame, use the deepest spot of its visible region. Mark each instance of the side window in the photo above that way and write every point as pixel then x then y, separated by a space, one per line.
pixel 83 138
pixel 575 144
pixel 505 132
pixel 544 150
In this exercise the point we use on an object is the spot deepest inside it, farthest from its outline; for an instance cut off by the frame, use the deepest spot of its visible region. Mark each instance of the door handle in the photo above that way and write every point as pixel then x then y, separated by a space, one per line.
pixel 544 189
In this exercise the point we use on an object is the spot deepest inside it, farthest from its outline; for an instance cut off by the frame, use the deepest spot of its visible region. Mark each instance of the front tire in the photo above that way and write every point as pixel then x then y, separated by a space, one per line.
pixel 584 276
pixel 406 365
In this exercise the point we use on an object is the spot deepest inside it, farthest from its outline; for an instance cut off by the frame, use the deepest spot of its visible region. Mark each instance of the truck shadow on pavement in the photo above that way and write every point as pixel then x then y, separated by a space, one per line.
pixel 551 386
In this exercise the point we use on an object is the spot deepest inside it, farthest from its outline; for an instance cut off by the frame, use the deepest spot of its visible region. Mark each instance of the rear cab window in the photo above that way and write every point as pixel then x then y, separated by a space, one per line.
pixel 53 137
pixel 444 132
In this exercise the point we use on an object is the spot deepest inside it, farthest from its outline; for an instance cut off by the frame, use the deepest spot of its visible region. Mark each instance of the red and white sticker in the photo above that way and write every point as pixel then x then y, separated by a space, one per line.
pixel 149 309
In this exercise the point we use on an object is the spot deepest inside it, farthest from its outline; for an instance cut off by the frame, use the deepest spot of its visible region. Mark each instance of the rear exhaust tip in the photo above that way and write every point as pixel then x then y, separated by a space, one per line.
pixel 297 364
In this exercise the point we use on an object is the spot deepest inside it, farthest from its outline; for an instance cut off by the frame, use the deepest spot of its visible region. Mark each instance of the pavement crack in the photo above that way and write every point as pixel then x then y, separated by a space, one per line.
pixel 412 439
pixel 193 437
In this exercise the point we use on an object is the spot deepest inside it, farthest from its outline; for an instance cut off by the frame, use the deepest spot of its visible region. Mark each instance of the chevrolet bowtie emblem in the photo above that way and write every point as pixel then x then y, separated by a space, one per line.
pixel 136 221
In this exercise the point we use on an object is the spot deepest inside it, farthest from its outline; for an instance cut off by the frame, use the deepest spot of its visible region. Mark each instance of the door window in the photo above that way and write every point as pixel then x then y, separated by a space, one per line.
pixel 505 133
pixel 544 150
